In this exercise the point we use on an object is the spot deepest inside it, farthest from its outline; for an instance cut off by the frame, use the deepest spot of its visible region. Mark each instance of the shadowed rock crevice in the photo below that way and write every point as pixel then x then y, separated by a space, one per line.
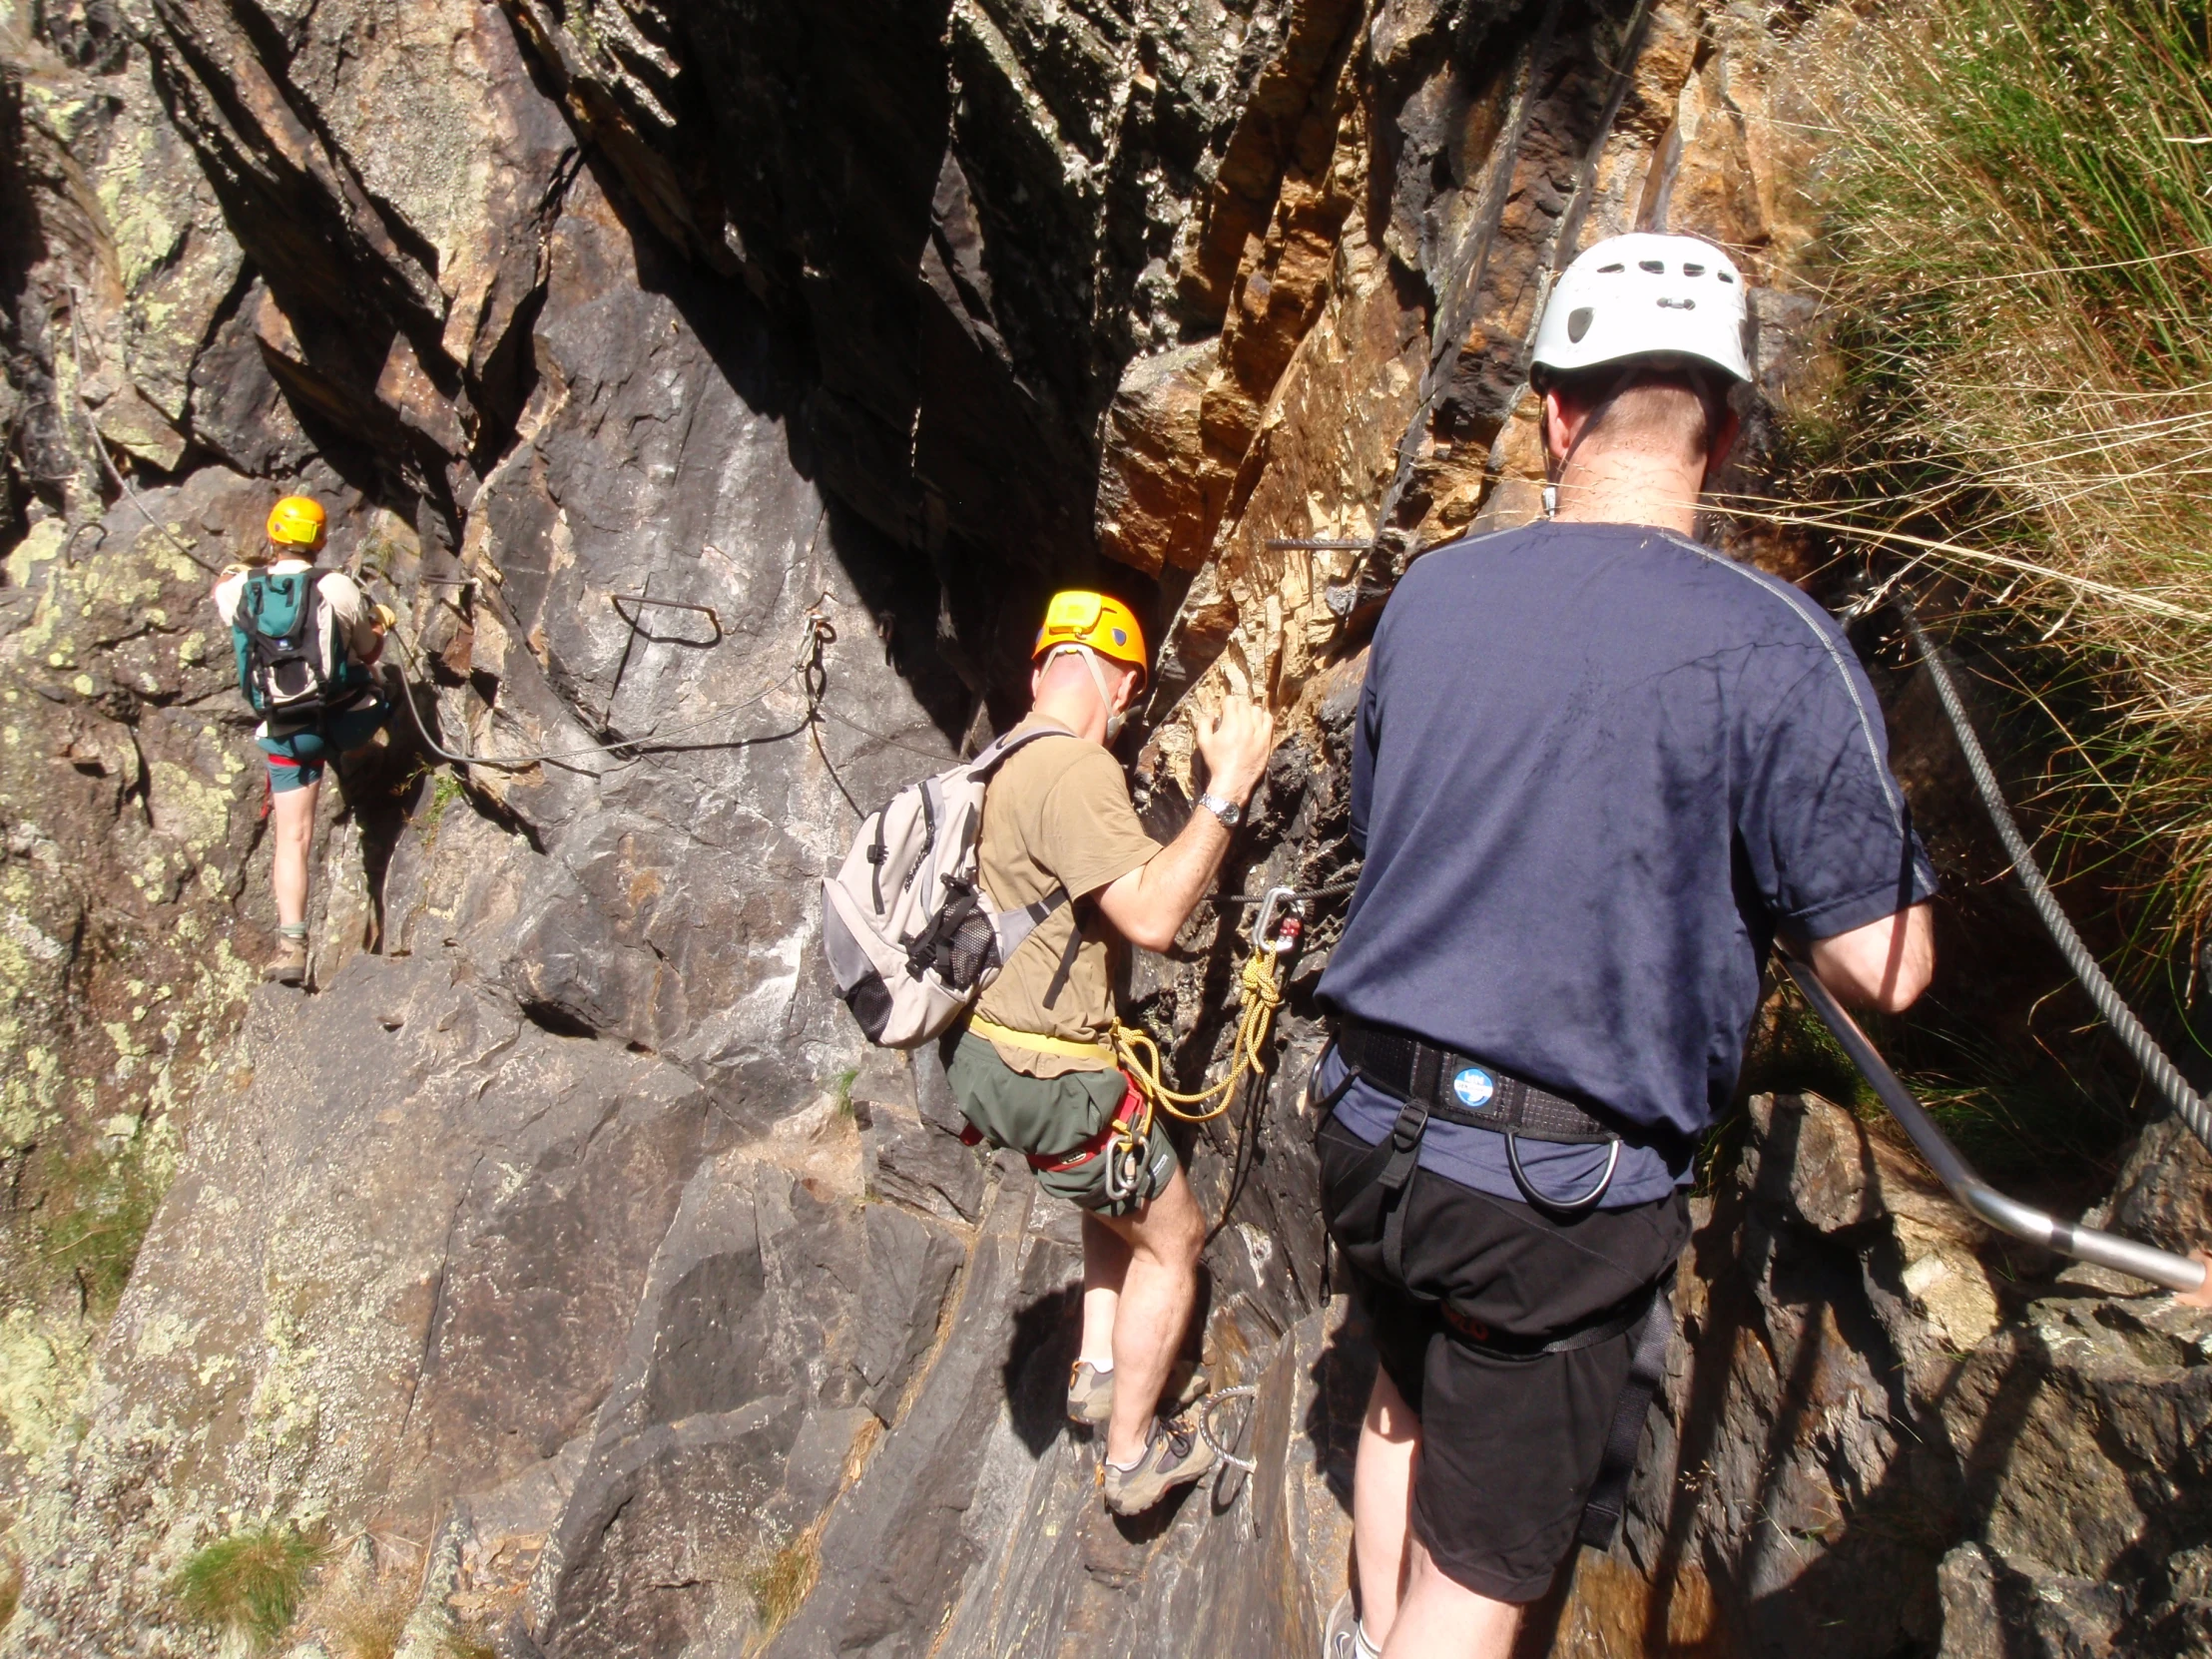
pixel 563 1250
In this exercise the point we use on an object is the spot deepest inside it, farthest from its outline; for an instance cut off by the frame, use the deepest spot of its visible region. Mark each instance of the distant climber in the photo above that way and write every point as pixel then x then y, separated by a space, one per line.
pixel 1033 1068
pixel 304 644
pixel 1598 768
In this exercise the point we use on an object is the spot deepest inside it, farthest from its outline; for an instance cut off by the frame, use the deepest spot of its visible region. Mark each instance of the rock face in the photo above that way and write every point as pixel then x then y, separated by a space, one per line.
pixel 714 392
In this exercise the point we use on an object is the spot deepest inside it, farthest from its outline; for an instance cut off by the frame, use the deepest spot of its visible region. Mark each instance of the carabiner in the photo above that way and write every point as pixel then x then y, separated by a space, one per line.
pixel 1282 901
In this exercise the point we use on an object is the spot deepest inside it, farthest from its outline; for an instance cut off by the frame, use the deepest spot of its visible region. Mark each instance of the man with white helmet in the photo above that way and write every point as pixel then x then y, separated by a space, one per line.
pixel 1598 770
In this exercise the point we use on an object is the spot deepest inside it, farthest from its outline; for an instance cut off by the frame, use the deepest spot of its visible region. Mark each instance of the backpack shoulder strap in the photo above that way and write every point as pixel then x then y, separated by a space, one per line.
pixel 993 755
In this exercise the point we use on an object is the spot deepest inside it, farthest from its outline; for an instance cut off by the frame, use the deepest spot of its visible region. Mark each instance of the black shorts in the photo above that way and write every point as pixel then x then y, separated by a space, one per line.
pixel 1510 1447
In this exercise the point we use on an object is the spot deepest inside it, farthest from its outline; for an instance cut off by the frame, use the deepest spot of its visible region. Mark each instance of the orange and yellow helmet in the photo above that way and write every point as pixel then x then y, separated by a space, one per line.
pixel 1081 617
pixel 297 521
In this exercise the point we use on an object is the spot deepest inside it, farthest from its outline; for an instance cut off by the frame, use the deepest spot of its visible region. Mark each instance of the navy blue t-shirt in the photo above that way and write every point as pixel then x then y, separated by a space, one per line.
pixel 1598 766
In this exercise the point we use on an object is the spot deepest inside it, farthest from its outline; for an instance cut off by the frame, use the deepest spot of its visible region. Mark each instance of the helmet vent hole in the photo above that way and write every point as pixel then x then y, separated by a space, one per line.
pixel 1693 271
pixel 1613 270
pixel 1724 277
pixel 1578 322
pixel 1657 267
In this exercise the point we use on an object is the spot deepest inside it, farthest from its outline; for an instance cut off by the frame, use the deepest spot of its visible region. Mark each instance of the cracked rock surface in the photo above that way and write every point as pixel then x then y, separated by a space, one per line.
pixel 716 391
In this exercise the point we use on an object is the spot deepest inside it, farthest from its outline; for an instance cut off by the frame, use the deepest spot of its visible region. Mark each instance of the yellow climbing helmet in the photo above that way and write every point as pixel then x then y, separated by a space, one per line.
pixel 297 521
pixel 1078 615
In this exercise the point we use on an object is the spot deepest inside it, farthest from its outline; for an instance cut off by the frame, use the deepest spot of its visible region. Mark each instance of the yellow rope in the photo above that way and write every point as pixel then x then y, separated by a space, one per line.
pixel 1262 995
pixel 1138 1055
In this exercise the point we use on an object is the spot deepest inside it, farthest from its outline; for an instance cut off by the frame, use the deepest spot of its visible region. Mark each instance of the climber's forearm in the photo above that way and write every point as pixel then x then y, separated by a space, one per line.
pixel 1149 906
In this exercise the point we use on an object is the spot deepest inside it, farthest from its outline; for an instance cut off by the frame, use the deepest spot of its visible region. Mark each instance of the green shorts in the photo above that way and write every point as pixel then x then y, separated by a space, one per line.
pixel 1055 1117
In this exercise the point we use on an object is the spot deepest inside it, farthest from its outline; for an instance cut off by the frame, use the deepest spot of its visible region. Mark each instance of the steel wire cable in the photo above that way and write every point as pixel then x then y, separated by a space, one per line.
pixel 2164 1075
pixel 630 751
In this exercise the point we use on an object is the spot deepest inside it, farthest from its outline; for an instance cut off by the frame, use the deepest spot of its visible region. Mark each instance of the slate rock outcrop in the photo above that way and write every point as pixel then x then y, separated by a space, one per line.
pixel 714 392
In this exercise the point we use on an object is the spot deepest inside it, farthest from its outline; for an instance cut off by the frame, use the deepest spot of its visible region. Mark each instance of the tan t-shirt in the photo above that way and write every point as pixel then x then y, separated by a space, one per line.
pixel 1057 815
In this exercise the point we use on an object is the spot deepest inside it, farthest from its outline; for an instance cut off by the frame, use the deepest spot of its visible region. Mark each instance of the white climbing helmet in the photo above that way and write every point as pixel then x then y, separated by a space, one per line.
pixel 1645 295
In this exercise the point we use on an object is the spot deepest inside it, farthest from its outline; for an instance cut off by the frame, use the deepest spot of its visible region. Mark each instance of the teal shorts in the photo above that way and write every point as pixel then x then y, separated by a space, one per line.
pixel 1056 1118
pixel 296 760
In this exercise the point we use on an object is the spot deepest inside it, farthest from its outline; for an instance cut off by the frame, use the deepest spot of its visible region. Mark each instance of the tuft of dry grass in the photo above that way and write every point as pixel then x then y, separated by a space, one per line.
pixel 2018 208
pixel 11 1589
pixel 780 1583
pixel 360 1617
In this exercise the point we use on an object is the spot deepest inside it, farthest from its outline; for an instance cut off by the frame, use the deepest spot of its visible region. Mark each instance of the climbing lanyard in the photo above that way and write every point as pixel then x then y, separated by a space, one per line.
pixel 1137 1053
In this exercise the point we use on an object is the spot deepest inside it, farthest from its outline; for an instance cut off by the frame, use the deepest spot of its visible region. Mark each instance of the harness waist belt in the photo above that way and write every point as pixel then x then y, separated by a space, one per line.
pixel 1061 1163
pixel 1039 1043
pixel 1459 1088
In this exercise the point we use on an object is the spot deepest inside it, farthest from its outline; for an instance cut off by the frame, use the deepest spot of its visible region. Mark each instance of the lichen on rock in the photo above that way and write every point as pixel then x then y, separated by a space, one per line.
pixel 715 392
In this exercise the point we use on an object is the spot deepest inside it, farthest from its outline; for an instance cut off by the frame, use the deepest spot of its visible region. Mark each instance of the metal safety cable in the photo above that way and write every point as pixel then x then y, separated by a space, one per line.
pixel 2156 1066
pixel 632 750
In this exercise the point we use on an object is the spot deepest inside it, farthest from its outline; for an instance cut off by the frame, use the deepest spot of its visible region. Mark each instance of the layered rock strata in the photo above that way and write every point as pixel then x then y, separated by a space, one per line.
pixel 715 390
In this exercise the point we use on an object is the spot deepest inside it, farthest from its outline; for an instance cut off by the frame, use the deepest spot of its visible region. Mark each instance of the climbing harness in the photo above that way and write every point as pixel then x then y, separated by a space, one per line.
pixel 1281 924
pixel 2154 1061
pixel 1437 1083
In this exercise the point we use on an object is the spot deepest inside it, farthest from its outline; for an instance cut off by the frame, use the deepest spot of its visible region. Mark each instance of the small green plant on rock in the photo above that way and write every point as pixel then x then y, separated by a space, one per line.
pixel 445 789
pixel 249 1583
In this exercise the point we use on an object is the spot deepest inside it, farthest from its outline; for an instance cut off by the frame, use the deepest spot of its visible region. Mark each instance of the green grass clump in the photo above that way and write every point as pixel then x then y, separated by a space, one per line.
pixel 844 1089
pixel 445 789
pixel 2018 236
pixel 91 1219
pixel 249 1583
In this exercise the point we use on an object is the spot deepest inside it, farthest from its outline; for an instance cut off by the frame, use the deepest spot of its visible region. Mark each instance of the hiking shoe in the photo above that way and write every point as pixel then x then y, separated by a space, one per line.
pixel 1341 1640
pixel 1176 1458
pixel 290 965
pixel 1090 1395
pixel 1091 1392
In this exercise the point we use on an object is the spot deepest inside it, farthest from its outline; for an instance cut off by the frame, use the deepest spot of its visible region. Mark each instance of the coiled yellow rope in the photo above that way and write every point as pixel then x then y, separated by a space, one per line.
pixel 1139 1055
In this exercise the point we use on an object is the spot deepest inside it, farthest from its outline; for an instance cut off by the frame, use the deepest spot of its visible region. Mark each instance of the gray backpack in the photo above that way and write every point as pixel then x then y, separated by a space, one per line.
pixel 910 935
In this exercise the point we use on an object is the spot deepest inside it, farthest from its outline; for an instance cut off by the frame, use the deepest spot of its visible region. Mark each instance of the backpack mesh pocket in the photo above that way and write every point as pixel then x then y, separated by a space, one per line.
pixel 970 953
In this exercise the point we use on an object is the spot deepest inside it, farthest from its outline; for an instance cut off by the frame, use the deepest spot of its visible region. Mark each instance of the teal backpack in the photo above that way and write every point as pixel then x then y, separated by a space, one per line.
pixel 291 662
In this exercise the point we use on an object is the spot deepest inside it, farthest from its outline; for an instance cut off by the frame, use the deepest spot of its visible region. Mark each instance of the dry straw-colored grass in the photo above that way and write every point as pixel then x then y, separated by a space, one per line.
pixel 2018 203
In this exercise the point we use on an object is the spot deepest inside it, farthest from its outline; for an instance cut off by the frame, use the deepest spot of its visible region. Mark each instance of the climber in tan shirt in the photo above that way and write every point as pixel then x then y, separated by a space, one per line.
pixel 1057 818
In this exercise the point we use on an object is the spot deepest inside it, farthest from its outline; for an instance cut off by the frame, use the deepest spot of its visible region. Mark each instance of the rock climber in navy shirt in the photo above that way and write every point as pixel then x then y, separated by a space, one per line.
pixel 1599 769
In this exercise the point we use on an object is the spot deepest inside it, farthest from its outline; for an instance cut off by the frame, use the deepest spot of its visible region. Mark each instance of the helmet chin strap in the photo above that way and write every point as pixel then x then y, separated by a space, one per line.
pixel 1115 718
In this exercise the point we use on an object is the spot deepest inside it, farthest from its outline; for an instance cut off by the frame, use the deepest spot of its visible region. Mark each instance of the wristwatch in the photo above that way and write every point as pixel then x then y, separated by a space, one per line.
pixel 1230 814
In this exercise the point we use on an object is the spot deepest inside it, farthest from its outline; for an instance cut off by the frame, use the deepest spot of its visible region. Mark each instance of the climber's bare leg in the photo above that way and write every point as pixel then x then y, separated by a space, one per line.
pixel 292 818
pixel 1405 1603
pixel 1159 1287
pixel 1442 1619
pixel 1383 1502
pixel 1105 1266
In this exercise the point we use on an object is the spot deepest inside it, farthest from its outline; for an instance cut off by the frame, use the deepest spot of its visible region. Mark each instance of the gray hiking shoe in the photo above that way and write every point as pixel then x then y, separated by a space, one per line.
pixel 1341 1639
pixel 290 965
pixel 1176 1458
pixel 1090 1395
pixel 1091 1392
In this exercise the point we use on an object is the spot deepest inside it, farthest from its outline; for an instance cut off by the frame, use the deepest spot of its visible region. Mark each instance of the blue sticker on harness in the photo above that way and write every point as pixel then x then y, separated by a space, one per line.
pixel 1473 1086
